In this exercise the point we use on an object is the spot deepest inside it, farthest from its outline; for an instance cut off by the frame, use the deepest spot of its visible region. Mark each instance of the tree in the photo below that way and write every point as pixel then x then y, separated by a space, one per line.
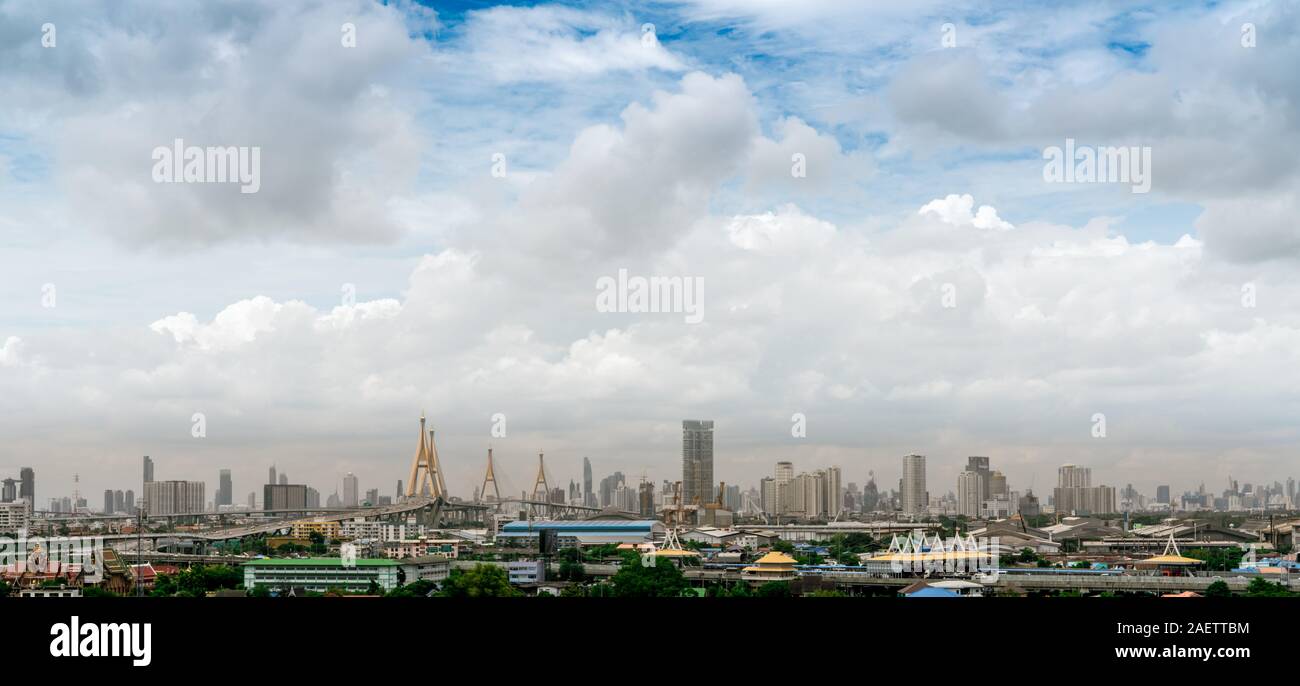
pixel 1218 558
pixel 97 592
pixel 572 571
pixel 1218 589
pixel 783 547
pixel 827 593
pixel 773 589
pixel 317 542
pixel 634 580
pixel 1263 588
pixel 415 589
pixel 483 581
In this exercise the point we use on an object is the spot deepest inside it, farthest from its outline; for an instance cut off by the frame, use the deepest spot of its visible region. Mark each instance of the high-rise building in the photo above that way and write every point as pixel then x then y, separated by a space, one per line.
pixel 998 485
pixel 767 495
pixel 174 497
pixel 372 496
pixel 270 478
pixel 129 498
pixel 313 497
pixel 970 486
pixel 588 498
pixel 608 485
pixel 284 479
pixel 1075 494
pixel 1073 476
pixel 225 489
pixel 870 494
pixel 351 488
pixel 284 496
pixel 784 471
pixel 833 492
pixel 1029 506
pixel 915 497
pixel 697 461
pixel 108 501
pixel 27 486
pixel 646 499
pixel 1162 495
pixel 9 493
pixel 119 501
pixel 148 469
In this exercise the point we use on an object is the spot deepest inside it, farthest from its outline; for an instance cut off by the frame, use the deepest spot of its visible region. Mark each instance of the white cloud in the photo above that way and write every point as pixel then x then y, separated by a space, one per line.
pixel 548 43
pixel 956 210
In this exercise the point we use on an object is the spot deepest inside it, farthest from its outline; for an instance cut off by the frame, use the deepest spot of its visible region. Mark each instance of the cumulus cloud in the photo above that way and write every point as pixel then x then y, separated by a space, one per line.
pixel 335 141
pixel 956 210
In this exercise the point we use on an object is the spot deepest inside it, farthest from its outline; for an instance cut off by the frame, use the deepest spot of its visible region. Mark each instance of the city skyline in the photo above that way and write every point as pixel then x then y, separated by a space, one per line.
pixel 349 487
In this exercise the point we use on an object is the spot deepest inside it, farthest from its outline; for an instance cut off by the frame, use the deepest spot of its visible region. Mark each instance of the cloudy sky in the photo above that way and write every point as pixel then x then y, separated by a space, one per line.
pixel 438 201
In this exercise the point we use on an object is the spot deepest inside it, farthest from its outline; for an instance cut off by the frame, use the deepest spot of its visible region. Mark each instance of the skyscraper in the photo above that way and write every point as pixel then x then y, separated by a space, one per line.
pixel 271 477
pixel 225 492
pixel 915 498
pixel 108 501
pixel 27 486
pixel 970 485
pixel 148 469
pixel 588 498
pixel 284 479
pixel 980 465
pixel 1162 495
pixel 351 487
pixel 834 492
pixel 697 461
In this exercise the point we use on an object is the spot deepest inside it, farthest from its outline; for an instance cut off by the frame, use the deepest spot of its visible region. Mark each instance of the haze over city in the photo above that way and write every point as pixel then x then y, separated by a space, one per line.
pixel 438 203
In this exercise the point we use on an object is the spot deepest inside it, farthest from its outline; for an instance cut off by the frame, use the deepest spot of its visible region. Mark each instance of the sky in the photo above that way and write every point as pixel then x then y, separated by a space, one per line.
pixel 439 200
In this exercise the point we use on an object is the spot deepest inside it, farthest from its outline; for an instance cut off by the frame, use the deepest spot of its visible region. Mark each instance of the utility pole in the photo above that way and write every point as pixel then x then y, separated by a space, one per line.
pixel 139 538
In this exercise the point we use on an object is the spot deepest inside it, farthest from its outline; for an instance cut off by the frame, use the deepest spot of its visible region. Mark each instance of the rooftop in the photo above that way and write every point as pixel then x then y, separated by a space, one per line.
pixel 316 562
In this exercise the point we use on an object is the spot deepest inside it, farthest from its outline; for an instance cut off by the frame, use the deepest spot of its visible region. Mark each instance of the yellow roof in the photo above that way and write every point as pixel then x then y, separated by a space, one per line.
pixel 1170 560
pixel 672 552
pixel 775 558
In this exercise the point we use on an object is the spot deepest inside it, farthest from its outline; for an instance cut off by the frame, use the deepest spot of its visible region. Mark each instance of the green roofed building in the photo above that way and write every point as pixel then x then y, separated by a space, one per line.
pixel 320 574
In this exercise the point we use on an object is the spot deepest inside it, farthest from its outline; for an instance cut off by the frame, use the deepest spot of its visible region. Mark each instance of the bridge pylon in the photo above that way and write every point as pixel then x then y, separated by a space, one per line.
pixel 541 491
pixel 490 478
pixel 426 474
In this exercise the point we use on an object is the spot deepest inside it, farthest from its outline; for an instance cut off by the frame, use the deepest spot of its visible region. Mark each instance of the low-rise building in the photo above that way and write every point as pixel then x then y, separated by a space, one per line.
pixel 774 566
pixel 320 574
pixel 329 530
pixel 381 531
pixel 568 534
pixel 14 517
pixel 526 571
pixel 447 547
pixel 435 568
